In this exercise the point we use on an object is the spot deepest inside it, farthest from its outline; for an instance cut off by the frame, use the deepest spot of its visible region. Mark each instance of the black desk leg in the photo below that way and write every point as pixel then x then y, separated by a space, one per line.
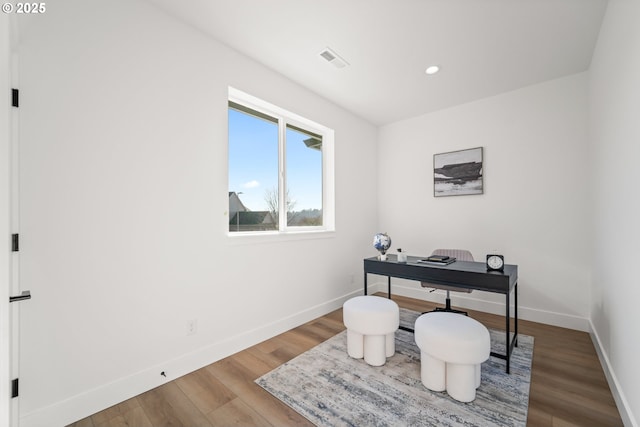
pixel 507 341
pixel 515 296
pixel 389 291
pixel 365 282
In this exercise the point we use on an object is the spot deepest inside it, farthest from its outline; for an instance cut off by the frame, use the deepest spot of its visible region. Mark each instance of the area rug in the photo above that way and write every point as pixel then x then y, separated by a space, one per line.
pixel 329 388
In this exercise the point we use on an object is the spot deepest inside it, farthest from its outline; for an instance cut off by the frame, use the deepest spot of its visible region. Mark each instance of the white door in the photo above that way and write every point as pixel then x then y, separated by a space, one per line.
pixel 5 215
pixel 10 293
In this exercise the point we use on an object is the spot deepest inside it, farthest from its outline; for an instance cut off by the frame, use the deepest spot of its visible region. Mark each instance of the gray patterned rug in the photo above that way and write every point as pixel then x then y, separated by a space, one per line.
pixel 329 388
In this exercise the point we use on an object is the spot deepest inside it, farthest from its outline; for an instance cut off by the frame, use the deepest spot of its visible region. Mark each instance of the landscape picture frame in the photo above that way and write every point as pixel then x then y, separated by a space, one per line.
pixel 458 173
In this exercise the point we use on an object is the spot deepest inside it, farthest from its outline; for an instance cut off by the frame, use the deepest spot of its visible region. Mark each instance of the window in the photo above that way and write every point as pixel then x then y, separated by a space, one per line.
pixel 280 169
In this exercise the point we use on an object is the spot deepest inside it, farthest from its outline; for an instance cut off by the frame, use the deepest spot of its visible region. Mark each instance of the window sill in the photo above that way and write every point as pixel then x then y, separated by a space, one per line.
pixel 250 238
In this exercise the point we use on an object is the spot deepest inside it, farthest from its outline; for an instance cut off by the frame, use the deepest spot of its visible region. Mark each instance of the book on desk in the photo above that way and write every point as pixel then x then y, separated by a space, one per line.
pixel 438 260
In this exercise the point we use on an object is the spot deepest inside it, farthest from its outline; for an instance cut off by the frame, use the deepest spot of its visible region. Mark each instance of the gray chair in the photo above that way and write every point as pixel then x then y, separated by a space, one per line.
pixel 459 255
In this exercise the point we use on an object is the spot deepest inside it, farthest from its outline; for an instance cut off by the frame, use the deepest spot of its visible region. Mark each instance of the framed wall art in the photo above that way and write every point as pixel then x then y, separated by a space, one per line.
pixel 457 173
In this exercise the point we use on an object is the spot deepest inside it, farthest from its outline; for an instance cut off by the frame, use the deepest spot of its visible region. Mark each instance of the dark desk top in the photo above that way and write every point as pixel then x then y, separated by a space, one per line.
pixel 462 274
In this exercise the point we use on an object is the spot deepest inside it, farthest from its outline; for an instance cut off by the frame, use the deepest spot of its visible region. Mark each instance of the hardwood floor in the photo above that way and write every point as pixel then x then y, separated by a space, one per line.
pixel 568 386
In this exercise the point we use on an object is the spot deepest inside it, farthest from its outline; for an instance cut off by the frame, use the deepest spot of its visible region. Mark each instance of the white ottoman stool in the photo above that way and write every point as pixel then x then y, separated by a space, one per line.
pixel 371 324
pixel 452 349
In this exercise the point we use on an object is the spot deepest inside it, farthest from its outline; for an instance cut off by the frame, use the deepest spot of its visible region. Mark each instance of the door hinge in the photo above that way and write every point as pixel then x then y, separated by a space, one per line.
pixel 14 388
pixel 15 98
pixel 15 242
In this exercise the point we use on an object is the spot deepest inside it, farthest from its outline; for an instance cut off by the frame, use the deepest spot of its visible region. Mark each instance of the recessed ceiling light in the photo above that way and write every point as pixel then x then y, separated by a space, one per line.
pixel 432 69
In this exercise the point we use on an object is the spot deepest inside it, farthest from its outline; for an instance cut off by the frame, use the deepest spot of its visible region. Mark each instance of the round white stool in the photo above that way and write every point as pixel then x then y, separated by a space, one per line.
pixel 452 349
pixel 371 324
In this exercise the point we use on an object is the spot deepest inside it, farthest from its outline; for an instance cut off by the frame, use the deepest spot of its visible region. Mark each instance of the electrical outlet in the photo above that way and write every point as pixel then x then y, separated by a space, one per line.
pixel 192 326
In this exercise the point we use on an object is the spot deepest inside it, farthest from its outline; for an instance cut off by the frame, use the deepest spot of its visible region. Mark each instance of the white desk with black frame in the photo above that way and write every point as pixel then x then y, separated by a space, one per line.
pixel 460 274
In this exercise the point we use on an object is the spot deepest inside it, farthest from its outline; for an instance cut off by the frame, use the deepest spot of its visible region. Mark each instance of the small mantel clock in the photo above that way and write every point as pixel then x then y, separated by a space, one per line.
pixel 495 262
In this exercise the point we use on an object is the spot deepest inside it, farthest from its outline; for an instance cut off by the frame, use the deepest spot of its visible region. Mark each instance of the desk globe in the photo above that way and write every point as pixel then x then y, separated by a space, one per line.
pixel 382 243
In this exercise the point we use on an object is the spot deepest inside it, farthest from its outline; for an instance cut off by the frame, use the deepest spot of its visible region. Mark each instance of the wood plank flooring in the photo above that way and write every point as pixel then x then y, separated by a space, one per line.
pixel 568 386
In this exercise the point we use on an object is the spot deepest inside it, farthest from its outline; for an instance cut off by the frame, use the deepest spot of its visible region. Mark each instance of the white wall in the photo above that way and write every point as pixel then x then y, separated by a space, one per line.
pixel 615 132
pixel 123 206
pixel 535 207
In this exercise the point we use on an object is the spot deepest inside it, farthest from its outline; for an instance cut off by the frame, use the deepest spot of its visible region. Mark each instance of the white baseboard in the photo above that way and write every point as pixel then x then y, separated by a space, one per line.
pixel 82 405
pixel 462 300
pixel 621 401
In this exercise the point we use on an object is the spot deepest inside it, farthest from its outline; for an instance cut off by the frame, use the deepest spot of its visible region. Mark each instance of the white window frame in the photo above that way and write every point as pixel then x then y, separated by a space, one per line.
pixel 285 117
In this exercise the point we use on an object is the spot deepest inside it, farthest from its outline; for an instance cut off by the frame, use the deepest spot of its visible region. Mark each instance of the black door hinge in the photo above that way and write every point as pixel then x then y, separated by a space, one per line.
pixel 15 98
pixel 14 388
pixel 15 242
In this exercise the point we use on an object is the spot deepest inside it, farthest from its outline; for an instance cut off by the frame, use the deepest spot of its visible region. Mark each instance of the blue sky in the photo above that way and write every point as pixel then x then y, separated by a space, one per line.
pixel 253 163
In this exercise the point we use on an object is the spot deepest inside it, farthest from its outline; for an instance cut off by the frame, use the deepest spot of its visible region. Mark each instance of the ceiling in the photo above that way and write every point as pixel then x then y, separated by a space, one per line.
pixel 484 47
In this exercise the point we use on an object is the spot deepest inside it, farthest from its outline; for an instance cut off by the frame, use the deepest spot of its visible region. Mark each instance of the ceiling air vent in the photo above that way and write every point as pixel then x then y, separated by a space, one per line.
pixel 333 58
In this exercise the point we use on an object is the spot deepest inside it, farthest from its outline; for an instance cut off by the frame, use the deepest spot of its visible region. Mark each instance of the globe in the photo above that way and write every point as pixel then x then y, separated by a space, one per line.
pixel 382 242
